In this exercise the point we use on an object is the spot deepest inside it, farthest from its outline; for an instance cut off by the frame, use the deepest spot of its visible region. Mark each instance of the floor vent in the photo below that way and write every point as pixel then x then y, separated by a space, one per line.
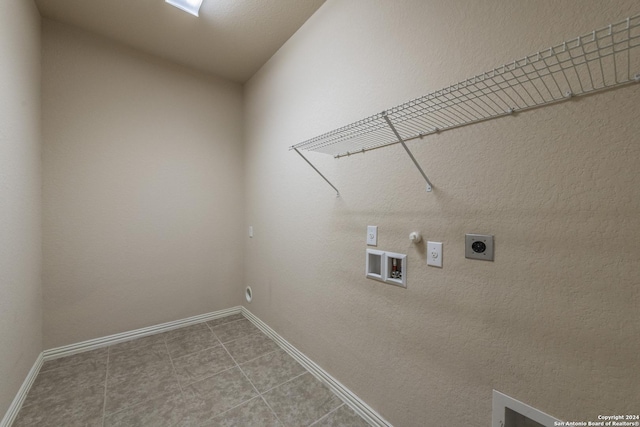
pixel 509 412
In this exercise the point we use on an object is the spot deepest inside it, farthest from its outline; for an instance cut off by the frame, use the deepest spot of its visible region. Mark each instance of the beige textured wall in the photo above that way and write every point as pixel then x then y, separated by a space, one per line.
pixel 554 321
pixel 20 196
pixel 142 189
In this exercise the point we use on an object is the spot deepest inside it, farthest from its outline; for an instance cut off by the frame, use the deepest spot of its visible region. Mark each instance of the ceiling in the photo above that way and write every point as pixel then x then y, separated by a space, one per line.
pixel 231 38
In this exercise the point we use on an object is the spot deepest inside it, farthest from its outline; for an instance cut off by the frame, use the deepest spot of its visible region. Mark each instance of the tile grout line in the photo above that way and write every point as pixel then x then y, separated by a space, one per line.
pixel 237 365
pixel 236 339
pixel 205 349
pixel 45 370
pixel 222 324
pixel 272 411
pixel 230 409
pixel 152 398
pixel 202 379
pixel 234 366
pixel 212 375
pixel 134 348
pixel 175 374
pixel 226 323
pixel 259 332
pixel 199 351
pixel 173 368
pixel 106 379
pixel 263 355
pixel 214 334
pixel 254 387
pixel 135 405
pixel 234 321
pixel 326 415
pixel 287 381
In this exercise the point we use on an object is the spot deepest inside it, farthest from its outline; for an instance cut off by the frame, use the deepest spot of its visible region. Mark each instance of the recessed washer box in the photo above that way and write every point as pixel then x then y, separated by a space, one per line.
pixel 375 265
pixel 387 267
pixel 396 271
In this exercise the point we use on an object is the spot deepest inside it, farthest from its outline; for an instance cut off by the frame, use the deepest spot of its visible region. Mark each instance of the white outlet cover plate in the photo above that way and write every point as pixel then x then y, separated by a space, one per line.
pixel 372 235
pixel 434 254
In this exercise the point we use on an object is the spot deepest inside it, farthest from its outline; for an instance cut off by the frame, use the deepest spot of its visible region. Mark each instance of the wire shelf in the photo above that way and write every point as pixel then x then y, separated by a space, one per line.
pixel 603 59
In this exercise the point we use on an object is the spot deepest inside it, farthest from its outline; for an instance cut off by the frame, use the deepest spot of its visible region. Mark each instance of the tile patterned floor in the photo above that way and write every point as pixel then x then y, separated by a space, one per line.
pixel 224 372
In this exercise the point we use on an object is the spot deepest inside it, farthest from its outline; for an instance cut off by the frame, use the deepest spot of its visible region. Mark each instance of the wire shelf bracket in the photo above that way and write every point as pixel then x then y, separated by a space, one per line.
pixel 401 141
pixel 601 60
pixel 319 173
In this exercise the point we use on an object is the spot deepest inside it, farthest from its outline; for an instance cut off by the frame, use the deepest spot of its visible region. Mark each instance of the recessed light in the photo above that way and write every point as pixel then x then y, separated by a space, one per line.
pixel 189 6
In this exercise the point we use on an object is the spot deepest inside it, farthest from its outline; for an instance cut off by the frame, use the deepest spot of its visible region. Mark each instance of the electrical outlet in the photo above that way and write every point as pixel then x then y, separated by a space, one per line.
pixel 478 246
pixel 372 235
pixel 434 254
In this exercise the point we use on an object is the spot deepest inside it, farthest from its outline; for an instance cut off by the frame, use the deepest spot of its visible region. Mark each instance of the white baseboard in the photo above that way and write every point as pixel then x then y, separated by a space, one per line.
pixel 353 401
pixel 93 344
pixel 14 408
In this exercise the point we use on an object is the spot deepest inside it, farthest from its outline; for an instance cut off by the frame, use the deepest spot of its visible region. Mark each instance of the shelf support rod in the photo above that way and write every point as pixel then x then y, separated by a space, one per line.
pixel 316 169
pixel 401 141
